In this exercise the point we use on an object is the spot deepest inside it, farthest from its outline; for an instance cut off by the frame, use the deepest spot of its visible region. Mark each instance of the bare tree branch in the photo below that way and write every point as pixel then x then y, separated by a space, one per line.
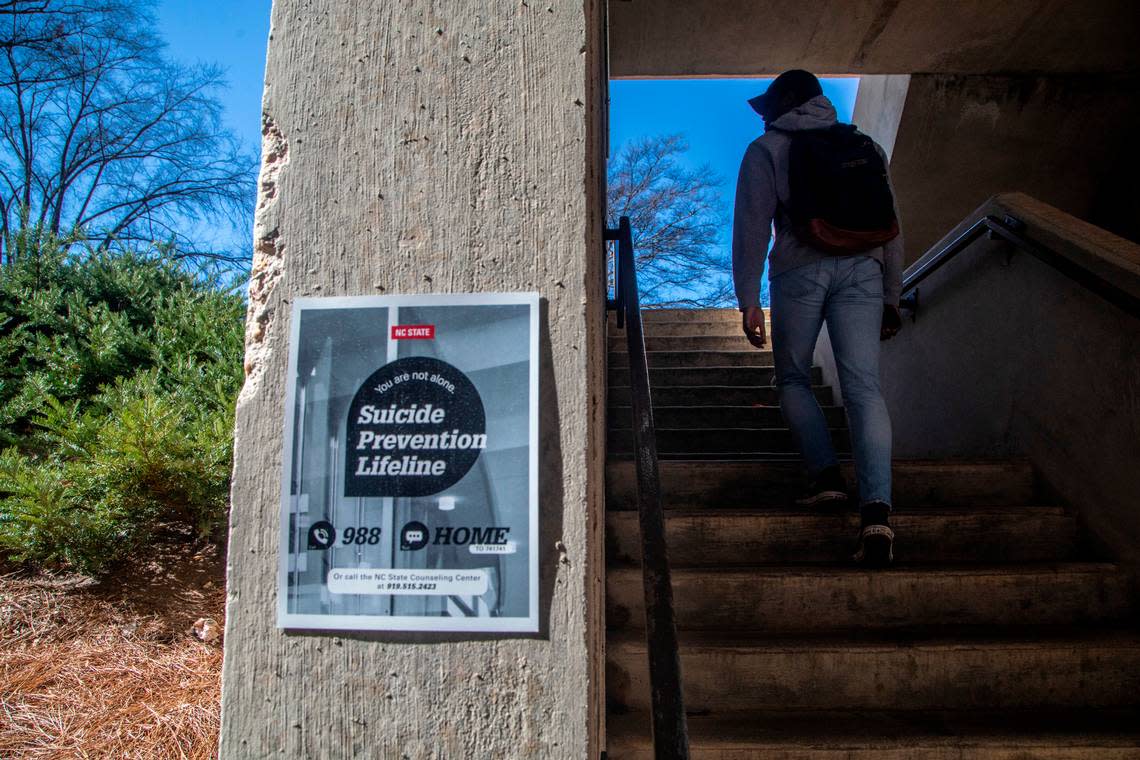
pixel 677 216
pixel 101 134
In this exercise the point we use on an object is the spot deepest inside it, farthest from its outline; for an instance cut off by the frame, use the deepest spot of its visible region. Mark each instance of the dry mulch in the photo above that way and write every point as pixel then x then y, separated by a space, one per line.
pixel 112 669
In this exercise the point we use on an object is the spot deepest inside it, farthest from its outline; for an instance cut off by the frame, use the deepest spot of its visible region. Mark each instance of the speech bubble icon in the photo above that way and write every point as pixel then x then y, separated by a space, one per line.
pixel 413 536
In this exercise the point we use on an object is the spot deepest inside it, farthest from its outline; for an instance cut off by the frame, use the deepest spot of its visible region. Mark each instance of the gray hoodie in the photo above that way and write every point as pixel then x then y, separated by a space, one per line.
pixel 762 194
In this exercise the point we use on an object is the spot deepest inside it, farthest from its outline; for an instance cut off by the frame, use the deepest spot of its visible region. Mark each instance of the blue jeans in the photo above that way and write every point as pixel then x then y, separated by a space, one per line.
pixel 847 293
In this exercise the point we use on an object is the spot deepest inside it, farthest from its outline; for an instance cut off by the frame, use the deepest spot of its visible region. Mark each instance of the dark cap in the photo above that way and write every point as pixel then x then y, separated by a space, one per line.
pixel 794 87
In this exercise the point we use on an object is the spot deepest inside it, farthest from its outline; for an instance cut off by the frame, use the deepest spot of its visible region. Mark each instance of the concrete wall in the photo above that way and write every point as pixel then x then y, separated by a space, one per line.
pixel 879 107
pixel 421 147
pixel 669 38
pixel 1063 139
pixel 1009 357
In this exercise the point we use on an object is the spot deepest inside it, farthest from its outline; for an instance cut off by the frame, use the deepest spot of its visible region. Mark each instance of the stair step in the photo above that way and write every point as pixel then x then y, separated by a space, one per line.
pixel 729 538
pixel 665 329
pixel 908 735
pixel 757 415
pixel 1050 668
pixel 719 440
pixel 759 376
pixel 724 484
pixel 788 600
pixel 782 455
pixel 701 359
pixel 719 395
pixel 683 342
pixel 690 315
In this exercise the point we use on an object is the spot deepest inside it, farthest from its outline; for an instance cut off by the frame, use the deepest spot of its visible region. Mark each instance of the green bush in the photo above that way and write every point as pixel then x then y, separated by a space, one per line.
pixel 118 375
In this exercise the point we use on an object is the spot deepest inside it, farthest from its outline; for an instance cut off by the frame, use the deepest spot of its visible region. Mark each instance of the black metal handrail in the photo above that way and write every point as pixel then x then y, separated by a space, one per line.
pixel 670 730
pixel 1012 230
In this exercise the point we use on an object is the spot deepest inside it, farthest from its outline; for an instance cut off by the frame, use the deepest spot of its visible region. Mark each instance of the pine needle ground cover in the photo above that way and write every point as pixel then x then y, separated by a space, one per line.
pixel 118 377
pixel 110 668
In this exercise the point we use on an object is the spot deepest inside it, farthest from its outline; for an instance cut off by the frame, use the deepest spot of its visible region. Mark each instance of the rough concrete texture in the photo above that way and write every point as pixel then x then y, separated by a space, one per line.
pixel 411 148
pixel 663 38
pixel 1064 140
pixel 1008 356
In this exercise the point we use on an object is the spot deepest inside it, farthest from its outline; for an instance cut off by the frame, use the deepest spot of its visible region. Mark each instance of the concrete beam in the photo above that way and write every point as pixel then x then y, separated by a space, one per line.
pixel 415 147
pixel 682 38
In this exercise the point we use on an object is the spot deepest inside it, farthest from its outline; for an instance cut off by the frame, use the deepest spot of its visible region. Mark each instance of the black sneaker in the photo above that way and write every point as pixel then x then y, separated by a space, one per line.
pixel 826 487
pixel 876 539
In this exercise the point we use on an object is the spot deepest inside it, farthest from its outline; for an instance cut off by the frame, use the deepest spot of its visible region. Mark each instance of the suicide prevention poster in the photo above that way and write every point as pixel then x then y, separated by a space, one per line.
pixel 409 494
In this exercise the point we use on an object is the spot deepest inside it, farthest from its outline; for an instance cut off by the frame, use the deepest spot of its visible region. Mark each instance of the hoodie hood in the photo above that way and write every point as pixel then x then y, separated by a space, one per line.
pixel 817 113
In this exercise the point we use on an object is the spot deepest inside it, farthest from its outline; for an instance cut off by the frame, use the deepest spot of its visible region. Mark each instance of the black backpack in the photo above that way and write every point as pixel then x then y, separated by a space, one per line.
pixel 841 201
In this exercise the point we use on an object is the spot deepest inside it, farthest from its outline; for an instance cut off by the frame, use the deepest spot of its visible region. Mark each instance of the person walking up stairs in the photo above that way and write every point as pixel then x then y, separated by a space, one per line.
pixel 837 258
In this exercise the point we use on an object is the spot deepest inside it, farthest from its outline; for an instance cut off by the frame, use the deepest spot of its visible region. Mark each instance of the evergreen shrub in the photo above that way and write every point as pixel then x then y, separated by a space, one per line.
pixel 118 378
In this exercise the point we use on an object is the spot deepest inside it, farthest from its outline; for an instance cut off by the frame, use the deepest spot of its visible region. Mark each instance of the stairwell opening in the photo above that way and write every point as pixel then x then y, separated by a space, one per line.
pixel 1007 625
pixel 1002 625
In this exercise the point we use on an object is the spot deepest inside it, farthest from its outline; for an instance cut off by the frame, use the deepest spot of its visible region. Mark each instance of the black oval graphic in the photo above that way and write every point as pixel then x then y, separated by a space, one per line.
pixel 415 427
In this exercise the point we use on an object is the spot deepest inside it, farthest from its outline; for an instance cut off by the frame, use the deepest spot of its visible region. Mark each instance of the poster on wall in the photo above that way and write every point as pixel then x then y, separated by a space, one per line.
pixel 409 493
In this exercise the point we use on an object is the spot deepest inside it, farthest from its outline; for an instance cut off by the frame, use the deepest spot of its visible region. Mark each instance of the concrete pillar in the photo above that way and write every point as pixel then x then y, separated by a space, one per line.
pixel 423 147
pixel 1065 140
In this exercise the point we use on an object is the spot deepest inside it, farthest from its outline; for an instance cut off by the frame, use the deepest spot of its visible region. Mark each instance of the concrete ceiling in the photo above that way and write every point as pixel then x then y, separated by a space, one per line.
pixel 670 38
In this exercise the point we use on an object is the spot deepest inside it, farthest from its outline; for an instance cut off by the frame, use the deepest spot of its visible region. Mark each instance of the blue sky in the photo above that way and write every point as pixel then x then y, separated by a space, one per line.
pixel 715 118
pixel 713 114
pixel 233 34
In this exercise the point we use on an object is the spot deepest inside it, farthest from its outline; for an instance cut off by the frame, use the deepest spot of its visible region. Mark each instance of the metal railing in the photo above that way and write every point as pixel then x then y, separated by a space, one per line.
pixel 670 730
pixel 1012 230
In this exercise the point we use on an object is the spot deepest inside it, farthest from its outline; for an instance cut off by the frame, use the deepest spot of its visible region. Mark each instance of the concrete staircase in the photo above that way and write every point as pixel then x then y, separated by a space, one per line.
pixel 999 633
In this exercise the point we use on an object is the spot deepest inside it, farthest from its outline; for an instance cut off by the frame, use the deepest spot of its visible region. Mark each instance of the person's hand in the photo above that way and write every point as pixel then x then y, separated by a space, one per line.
pixel 892 322
pixel 754 326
